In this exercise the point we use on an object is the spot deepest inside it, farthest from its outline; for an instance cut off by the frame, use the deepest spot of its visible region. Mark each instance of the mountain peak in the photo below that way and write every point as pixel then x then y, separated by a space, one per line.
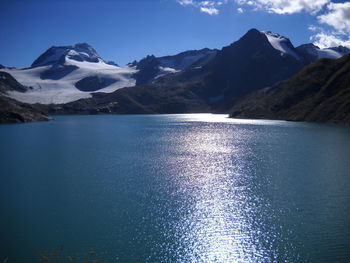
pixel 253 31
pixel 83 45
pixel 252 36
pixel 59 54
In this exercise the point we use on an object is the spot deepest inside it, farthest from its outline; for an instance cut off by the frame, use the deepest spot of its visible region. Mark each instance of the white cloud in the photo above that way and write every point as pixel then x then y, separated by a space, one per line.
pixel 286 6
pixel 334 15
pixel 209 10
pixel 271 6
pixel 240 10
pixel 324 40
pixel 338 17
pixel 333 19
pixel 208 7
pixel 185 2
pixel 314 28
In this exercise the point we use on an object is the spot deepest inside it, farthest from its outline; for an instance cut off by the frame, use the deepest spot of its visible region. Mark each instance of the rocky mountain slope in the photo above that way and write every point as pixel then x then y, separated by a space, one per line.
pixel 12 111
pixel 319 93
pixel 251 63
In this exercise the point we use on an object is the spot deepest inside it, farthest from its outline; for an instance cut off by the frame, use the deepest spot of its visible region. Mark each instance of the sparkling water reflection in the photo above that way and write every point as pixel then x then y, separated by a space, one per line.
pixel 177 188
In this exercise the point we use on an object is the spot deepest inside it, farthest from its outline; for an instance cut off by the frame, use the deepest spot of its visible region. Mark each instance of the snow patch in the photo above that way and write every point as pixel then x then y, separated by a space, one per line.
pixel 281 44
pixel 47 91
pixel 165 71
pixel 328 53
pixel 182 64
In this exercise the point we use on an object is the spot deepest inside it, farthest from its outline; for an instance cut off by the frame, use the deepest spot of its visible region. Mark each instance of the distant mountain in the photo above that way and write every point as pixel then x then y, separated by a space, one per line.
pixel 151 68
pixel 214 80
pixel 12 111
pixel 312 53
pixel 68 73
pixel 320 93
pixel 256 61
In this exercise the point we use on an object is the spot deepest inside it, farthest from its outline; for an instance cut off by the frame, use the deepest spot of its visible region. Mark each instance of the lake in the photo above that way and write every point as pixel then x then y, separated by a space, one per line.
pixel 175 188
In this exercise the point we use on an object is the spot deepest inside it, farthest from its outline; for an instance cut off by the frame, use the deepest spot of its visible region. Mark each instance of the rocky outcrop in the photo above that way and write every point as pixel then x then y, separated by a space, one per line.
pixel 9 83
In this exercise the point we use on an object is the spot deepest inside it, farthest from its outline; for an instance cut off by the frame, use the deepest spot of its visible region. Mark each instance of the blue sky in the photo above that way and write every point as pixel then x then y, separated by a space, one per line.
pixel 127 30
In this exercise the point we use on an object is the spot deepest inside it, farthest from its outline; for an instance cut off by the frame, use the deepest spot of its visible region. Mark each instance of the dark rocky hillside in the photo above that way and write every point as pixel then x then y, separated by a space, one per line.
pixel 12 111
pixel 136 100
pixel 319 93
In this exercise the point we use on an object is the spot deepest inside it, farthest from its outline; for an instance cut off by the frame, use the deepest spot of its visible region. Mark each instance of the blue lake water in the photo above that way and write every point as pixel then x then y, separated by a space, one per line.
pixel 175 188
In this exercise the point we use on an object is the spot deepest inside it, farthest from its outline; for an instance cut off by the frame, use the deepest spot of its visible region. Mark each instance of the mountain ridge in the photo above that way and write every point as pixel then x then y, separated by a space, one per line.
pixel 192 81
pixel 67 73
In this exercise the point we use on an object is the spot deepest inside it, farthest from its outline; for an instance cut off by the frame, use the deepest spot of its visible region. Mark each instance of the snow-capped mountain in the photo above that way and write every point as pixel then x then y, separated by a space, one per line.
pixel 312 53
pixel 64 74
pixel 79 52
pixel 307 52
pixel 67 73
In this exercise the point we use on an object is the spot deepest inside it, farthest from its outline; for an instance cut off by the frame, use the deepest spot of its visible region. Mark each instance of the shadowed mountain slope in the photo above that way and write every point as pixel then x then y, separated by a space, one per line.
pixel 319 93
